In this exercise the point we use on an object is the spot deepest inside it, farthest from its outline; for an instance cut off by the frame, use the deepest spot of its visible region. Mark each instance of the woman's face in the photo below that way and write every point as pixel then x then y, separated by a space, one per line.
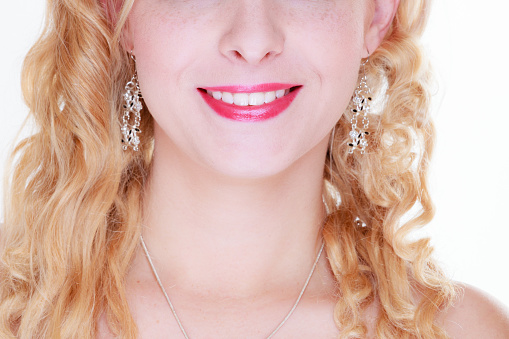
pixel 236 48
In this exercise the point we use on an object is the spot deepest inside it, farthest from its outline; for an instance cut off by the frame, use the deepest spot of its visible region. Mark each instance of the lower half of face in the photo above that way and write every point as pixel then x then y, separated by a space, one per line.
pixel 246 88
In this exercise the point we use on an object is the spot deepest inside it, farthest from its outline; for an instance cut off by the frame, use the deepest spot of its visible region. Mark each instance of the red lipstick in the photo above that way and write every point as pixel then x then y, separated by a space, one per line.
pixel 250 113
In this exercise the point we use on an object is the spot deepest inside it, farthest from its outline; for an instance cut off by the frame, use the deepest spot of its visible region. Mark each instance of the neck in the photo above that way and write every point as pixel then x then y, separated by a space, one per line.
pixel 221 235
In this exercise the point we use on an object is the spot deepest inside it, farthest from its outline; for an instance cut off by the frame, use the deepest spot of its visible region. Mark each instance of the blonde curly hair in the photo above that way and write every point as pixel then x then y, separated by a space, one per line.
pixel 74 203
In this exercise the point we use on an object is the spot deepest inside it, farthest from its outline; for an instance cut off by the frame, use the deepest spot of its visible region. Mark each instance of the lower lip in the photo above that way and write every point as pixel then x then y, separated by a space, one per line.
pixel 250 113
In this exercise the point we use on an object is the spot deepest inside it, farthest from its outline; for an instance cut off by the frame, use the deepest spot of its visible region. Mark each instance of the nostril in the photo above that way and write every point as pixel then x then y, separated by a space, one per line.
pixel 238 55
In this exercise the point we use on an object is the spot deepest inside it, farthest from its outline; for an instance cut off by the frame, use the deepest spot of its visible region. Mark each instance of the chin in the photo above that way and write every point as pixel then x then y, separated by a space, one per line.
pixel 250 168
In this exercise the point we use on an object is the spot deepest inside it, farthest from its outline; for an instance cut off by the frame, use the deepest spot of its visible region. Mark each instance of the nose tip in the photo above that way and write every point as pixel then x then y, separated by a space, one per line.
pixel 253 35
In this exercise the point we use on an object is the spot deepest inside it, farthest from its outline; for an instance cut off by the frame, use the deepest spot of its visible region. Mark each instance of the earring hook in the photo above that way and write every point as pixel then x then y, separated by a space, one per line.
pixel 367 58
pixel 131 54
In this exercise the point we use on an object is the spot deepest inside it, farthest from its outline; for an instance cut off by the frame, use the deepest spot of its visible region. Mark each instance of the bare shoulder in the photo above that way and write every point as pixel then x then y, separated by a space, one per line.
pixel 475 314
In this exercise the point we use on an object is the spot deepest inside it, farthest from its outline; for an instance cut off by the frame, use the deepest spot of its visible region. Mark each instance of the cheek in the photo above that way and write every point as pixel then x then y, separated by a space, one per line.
pixel 170 29
pixel 338 38
pixel 328 34
pixel 165 44
pixel 331 43
pixel 334 22
pixel 157 44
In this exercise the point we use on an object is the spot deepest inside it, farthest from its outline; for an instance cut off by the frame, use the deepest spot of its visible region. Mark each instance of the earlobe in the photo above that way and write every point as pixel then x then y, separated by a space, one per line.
pixel 126 38
pixel 384 13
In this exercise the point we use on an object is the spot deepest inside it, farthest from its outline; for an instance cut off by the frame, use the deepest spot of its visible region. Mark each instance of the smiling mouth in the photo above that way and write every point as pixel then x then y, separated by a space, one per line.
pixel 248 99
pixel 250 104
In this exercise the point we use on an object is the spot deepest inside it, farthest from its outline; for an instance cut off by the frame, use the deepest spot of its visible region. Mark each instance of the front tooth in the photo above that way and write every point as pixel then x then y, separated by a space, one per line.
pixel 280 93
pixel 256 99
pixel 227 97
pixel 270 96
pixel 217 95
pixel 241 99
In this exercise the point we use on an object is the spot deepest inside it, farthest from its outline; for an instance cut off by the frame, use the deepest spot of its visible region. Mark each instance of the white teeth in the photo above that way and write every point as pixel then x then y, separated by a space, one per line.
pixel 241 99
pixel 227 97
pixel 249 99
pixel 270 97
pixel 256 99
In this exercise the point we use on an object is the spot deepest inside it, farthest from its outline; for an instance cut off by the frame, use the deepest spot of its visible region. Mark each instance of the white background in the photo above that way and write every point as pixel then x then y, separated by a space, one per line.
pixel 468 43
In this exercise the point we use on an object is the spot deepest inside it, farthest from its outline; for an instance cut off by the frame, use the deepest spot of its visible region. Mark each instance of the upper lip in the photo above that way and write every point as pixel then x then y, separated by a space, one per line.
pixel 268 87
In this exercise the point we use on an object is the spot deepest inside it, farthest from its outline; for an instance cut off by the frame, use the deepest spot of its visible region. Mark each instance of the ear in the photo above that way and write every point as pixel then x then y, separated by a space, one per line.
pixel 126 38
pixel 112 9
pixel 383 15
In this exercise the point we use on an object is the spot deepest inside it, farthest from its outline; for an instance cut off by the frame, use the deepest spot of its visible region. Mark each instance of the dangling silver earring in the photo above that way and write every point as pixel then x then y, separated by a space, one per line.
pixel 132 104
pixel 361 107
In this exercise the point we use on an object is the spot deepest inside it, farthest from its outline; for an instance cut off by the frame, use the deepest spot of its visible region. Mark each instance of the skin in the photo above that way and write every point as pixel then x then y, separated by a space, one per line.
pixel 255 188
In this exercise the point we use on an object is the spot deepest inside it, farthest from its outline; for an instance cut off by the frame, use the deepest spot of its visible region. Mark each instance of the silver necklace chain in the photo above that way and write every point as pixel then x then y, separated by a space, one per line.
pixel 175 313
